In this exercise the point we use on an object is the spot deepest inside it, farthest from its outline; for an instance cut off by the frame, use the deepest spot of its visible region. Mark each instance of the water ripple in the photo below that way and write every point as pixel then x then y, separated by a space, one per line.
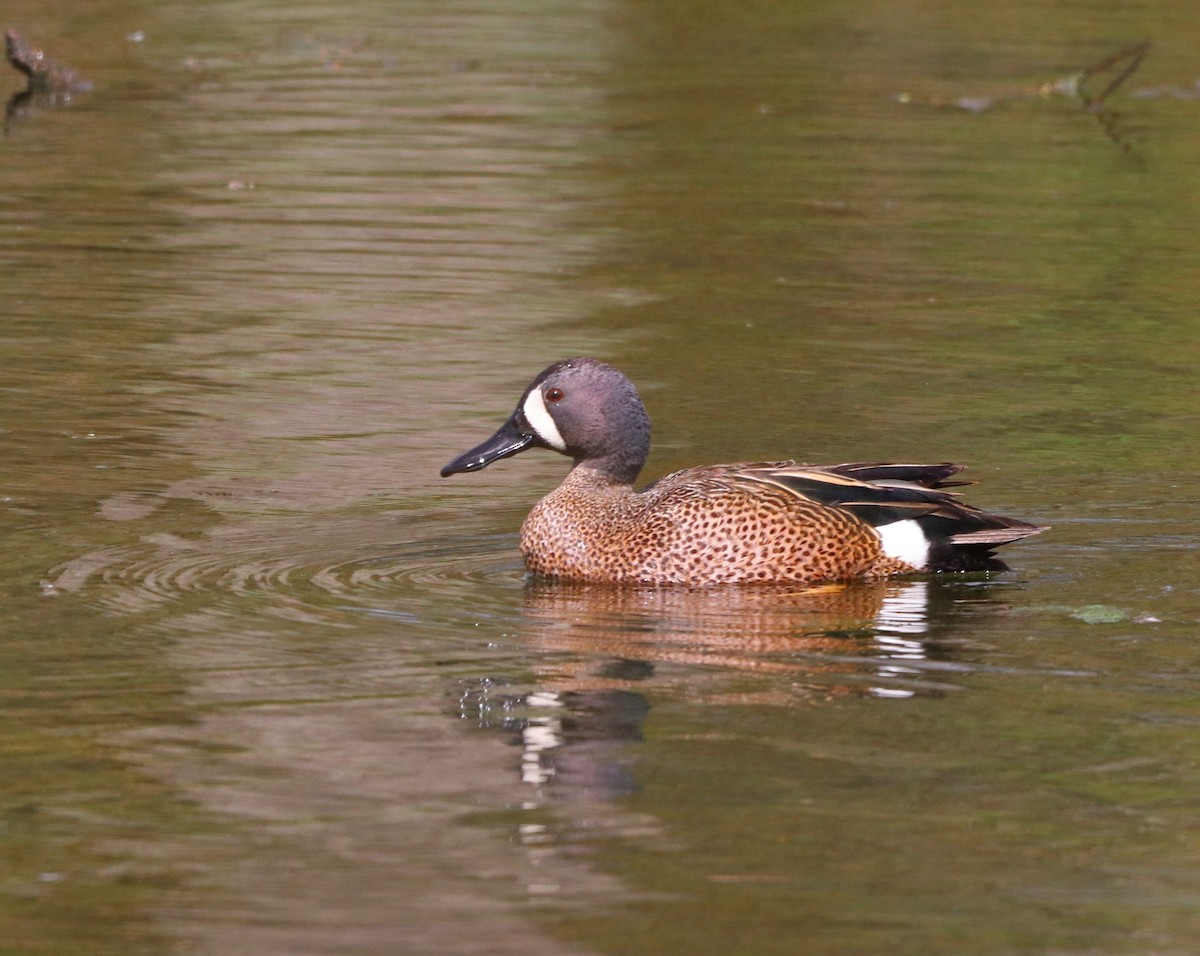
pixel 300 578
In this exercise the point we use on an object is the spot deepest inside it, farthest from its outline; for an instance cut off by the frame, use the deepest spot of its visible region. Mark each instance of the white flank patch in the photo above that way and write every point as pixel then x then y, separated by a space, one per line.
pixel 905 541
pixel 540 421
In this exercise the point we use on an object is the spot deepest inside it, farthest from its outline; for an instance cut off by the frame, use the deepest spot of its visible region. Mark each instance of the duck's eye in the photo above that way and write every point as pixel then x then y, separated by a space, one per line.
pixel 555 394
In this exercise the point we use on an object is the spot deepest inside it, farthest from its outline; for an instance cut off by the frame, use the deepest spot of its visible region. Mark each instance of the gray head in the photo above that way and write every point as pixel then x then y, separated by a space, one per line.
pixel 581 407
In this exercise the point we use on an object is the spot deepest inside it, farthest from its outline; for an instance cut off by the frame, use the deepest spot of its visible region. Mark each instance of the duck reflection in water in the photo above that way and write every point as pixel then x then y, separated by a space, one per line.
pixel 598 648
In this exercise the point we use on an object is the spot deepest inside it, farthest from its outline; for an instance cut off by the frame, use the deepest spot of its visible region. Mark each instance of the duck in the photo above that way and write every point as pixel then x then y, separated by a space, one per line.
pixel 778 522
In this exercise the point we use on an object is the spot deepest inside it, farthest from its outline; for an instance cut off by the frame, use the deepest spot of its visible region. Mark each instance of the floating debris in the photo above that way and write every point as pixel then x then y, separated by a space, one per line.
pixel 1094 613
pixel 1119 66
pixel 49 84
pixel 1169 92
pixel 45 75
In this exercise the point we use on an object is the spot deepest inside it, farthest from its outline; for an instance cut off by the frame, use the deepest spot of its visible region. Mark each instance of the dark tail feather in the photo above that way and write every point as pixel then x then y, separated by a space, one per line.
pixel 975 550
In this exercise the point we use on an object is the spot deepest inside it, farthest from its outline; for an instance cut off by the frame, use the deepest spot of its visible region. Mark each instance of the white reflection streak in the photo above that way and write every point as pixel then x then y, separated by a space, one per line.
pixel 903 612
pixel 540 734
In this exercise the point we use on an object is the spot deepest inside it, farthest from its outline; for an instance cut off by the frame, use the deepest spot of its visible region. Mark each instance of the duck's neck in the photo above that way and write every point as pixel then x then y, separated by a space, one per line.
pixel 605 472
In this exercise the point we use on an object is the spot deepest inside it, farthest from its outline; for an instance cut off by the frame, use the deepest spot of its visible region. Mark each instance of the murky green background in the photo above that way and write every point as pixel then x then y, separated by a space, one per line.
pixel 270 685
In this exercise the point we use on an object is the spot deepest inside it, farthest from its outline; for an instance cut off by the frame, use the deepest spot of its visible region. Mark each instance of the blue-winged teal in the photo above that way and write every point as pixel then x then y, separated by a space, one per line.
pixel 716 524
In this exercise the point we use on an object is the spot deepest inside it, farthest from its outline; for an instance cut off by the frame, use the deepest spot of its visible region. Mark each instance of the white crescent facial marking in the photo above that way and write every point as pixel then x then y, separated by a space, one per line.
pixel 905 541
pixel 540 421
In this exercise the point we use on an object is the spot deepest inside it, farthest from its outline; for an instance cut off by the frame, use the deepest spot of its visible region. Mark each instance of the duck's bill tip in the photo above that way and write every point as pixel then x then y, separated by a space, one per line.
pixel 451 469
pixel 463 463
pixel 508 441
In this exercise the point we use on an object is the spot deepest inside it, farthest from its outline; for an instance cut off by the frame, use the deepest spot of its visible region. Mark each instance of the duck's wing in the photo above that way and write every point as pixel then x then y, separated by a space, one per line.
pixel 926 476
pixel 960 536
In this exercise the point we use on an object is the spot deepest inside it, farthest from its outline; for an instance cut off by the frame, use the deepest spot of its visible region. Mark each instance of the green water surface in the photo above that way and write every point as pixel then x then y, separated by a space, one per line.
pixel 270 685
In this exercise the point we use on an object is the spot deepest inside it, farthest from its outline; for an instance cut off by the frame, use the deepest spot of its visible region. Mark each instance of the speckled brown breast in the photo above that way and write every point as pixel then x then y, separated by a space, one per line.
pixel 697 527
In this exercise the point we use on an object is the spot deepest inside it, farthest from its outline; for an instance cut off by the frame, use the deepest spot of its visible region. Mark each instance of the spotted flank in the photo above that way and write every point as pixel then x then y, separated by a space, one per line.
pixel 723 524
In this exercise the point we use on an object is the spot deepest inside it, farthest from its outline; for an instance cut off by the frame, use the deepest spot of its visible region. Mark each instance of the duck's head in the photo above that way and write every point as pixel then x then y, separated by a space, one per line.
pixel 581 407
